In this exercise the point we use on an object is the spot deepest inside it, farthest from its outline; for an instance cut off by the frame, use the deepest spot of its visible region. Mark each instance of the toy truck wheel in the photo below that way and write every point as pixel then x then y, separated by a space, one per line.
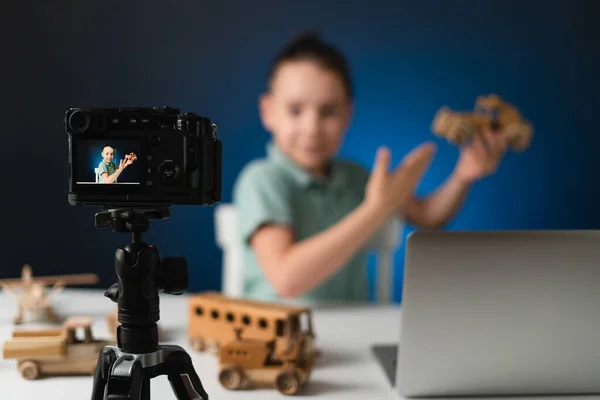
pixel 197 343
pixel 29 370
pixel 518 135
pixel 230 378
pixel 288 382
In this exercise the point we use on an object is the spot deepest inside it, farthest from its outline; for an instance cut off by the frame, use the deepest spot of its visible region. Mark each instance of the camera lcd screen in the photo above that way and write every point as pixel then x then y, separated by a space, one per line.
pixel 98 161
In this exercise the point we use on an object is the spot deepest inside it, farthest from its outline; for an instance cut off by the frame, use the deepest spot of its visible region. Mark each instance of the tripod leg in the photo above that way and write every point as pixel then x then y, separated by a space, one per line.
pixel 145 395
pixel 126 380
pixel 183 378
pixel 103 366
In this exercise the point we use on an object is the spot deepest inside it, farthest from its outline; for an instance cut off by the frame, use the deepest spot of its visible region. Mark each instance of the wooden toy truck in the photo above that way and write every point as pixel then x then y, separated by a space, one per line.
pixel 459 127
pixel 55 351
pixel 214 318
pixel 246 363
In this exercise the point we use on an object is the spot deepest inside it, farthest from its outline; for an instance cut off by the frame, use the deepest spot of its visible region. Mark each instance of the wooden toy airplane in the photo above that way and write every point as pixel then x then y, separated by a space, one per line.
pixel 33 297
pixel 490 110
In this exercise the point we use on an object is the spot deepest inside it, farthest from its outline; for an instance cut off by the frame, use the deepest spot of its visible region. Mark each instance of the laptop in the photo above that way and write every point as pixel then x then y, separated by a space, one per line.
pixel 488 313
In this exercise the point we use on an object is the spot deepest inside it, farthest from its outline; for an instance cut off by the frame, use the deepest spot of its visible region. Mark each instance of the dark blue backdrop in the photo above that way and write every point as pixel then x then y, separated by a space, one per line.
pixel 408 59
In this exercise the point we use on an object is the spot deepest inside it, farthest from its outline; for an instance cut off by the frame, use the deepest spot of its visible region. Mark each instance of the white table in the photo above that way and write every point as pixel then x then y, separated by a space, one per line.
pixel 348 370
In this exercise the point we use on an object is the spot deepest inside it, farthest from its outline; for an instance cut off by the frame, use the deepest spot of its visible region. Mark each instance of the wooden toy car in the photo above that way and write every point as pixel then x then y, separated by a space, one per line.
pixel 214 317
pixel 55 351
pixel 504 118
pixel 246 363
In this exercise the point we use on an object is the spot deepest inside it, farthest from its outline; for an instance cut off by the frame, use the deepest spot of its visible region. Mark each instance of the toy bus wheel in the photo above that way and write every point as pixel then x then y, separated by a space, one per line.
pixel 230 378
pixel 212 346
pixel 29 370
pixel 197 343
pixel 288 383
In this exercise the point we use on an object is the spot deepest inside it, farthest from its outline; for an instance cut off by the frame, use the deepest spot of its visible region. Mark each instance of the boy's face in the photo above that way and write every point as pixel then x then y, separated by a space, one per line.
pixel 307 112
pixel 108 153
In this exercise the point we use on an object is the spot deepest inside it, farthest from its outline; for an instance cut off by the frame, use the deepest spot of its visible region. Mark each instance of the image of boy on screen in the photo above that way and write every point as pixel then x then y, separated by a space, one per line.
pixel 108 171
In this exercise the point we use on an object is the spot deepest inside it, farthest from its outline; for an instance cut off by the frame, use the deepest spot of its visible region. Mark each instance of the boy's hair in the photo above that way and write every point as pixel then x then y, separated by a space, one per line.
pixel 105 146
pixel 310 46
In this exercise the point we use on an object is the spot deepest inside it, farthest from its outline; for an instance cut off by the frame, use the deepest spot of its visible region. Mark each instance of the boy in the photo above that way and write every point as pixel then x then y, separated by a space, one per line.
pixel 107 169
pixel 305 216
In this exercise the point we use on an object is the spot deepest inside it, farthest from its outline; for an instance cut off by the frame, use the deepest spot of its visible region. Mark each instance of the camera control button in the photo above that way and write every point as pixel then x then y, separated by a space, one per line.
pixel 169 172
pixel 154 140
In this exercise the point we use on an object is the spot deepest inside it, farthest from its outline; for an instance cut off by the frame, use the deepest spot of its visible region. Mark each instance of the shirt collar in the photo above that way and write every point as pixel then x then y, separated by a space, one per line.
pixel 302 176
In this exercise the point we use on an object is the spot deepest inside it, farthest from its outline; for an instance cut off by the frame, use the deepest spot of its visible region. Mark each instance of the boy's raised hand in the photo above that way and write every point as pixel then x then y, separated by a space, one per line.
pixel 389 191
pixel 481 157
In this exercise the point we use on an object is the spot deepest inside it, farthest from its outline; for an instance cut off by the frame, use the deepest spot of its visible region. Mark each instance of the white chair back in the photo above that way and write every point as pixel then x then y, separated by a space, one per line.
pixel 227 239
pixel 384 243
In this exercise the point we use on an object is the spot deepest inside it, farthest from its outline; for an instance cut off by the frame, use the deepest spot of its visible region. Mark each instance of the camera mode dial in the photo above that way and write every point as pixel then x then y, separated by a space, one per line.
pixel 189 122
pixel 166 110
pixel 169 172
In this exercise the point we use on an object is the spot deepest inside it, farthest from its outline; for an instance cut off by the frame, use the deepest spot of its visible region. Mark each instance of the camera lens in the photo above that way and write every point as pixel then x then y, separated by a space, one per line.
pixel 79 122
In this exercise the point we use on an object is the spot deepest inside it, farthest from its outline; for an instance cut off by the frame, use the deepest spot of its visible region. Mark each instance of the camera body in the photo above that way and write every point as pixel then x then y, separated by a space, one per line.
pixel 142 157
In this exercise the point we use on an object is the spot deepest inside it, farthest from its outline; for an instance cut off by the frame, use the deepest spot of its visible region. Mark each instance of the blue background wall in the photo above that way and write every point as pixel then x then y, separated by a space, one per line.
pixel 408 59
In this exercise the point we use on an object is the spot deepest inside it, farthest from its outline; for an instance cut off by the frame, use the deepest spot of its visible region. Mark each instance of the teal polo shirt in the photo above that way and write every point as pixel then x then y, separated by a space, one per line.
pixel 109 168
pixel 275 190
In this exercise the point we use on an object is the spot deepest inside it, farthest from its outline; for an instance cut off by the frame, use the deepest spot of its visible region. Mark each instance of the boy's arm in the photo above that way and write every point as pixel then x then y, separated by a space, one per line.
pixel 477 160
pixel 297 267
pixel 264 204
pixel 438 208
pixel 110 178
pixel 103 171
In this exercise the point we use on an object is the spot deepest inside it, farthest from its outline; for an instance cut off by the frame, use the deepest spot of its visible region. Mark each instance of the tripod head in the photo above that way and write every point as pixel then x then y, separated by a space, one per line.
pixel 135 220
pixel 141 275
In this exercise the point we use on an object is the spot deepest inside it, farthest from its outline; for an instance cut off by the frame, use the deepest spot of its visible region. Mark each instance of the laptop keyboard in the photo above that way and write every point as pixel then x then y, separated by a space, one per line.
pixel 386 355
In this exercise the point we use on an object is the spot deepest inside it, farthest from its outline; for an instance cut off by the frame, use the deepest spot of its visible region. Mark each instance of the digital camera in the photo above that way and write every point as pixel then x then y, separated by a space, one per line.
pixel 142 157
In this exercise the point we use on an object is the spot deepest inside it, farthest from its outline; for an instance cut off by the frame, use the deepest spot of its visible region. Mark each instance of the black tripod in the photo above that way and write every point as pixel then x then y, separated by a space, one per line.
pixel 124 371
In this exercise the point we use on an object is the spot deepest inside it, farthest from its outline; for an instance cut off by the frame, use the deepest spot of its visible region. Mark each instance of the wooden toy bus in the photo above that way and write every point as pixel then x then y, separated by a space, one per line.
pixel 214 319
